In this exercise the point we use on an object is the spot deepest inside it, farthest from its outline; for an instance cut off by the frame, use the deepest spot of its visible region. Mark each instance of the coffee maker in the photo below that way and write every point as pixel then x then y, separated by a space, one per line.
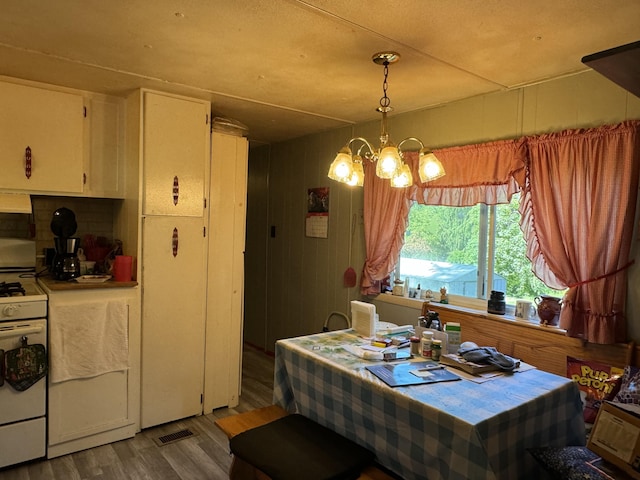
pixel 66 265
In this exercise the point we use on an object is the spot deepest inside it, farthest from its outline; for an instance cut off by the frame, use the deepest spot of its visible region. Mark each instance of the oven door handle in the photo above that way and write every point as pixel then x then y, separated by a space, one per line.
pixel 18 331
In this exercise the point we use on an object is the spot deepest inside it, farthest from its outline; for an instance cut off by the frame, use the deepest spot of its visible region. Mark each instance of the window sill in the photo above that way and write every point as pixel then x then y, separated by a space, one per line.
pixel 471 307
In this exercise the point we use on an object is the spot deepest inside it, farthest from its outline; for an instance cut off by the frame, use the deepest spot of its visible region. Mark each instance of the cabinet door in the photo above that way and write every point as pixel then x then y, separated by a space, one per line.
pixel 227 220
pixel 173 329
pixel 50 123
pixel 175 154
pixel 87 412
pixel 104 148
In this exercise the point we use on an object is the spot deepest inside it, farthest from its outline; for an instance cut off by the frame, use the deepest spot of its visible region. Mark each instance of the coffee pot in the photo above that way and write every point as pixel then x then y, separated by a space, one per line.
pixel 66 264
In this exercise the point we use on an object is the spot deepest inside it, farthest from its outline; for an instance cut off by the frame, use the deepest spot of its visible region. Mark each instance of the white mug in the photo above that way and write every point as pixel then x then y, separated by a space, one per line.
pixel 524 310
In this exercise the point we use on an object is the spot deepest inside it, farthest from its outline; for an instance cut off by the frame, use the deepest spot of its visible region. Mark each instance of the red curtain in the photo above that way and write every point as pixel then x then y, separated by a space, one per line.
pixel 386 212
pixel 578 210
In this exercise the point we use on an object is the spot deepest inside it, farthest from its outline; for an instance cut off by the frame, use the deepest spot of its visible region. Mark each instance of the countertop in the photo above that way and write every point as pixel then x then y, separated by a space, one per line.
pixel 58 285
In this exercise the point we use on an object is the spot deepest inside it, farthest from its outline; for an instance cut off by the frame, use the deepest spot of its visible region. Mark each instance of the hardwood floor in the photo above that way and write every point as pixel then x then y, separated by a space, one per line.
pixel 205 455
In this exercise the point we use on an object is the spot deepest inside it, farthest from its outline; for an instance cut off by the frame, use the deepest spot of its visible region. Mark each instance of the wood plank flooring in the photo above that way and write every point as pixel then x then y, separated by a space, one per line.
pixel 202 456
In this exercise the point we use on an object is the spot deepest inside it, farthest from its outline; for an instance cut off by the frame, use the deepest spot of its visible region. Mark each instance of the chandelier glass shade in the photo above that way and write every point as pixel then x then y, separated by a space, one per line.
pixel 347 167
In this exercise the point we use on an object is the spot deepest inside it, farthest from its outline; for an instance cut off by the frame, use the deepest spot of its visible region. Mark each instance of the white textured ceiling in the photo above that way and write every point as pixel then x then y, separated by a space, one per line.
pixel 286 68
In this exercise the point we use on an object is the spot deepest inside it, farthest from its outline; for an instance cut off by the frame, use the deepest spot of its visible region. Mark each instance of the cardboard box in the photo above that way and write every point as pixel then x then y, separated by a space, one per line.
pixel 616 437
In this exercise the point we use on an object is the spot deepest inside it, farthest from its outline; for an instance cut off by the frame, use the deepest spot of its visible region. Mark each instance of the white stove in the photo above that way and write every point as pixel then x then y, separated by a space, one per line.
pixel 23 322
pixel 21 298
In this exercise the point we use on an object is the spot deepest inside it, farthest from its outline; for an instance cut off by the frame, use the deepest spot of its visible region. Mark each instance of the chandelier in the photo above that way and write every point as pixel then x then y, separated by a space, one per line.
pixel 347 167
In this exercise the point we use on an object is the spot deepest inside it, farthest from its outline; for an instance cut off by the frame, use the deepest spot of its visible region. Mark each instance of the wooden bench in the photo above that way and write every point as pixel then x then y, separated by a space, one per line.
pixel 236 424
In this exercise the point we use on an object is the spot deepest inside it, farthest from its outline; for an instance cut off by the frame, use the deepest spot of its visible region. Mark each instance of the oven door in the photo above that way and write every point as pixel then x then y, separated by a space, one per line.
pixel 31 403
pixel 22 414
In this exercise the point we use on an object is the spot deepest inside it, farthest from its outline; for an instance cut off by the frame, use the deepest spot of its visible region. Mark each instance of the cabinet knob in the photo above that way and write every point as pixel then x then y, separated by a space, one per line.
pixel 27 162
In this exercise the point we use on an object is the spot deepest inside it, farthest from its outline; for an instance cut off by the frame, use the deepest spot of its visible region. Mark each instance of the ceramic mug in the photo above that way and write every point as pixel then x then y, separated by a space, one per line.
pixel 524 310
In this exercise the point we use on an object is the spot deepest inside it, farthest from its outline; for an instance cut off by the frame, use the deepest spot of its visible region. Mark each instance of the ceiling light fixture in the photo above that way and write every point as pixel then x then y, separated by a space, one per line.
pixel 347 167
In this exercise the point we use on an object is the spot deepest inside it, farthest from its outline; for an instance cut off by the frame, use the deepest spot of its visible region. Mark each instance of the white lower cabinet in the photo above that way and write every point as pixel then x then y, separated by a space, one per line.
pixel 173 318
pixel 88 412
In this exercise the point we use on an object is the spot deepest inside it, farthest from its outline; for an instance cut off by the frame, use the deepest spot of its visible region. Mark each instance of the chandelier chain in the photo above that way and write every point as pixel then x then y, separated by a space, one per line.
pixel 385 101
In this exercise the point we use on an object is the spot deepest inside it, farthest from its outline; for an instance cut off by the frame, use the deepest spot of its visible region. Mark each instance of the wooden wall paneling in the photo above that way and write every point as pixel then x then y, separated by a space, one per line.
pixel 257 240
pixel 276 248
pixel 599 100
pixel 543 347
pixel 313 257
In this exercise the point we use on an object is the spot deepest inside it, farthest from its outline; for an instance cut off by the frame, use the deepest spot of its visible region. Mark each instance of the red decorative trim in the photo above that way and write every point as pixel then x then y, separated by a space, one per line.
pixel 27 162
pixel 176 190
pixel 174 242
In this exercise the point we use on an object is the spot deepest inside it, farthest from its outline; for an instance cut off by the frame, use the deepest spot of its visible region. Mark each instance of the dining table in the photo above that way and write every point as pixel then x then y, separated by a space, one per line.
pixel 468 429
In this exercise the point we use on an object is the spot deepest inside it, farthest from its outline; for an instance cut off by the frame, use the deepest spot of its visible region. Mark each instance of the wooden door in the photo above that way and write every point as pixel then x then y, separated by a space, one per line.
pixel 50 123
pixel 175 151
pixel 227 220
pixel 173 314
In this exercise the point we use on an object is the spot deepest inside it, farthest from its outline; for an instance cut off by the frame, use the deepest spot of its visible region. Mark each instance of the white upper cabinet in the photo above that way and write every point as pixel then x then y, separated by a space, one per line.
pixel 104 169
pixel 41 138
pixel 175 154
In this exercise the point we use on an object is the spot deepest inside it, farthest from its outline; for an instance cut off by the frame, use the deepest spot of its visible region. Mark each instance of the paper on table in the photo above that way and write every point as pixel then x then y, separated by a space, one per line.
pixel 401 374
pixel 360 352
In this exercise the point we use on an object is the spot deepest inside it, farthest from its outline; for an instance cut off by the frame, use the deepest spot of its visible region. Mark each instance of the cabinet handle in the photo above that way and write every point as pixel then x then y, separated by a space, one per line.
pixel 174 242
pixel 27 162
pixel 176 190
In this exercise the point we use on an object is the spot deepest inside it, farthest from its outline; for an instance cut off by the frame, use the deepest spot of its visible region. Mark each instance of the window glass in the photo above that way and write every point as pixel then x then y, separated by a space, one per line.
pixel 466 249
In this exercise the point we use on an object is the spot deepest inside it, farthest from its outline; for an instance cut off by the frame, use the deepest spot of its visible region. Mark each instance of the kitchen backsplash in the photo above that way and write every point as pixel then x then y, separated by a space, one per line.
pixel 15 225
pixel 93 215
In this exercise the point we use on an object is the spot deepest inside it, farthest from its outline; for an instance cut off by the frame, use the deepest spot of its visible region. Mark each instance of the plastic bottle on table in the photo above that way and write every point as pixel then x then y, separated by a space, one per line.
pixel 436 350
pixel 427 338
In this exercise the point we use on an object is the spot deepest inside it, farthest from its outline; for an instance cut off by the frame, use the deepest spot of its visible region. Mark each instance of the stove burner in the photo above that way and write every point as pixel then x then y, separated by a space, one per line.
pixel 9 289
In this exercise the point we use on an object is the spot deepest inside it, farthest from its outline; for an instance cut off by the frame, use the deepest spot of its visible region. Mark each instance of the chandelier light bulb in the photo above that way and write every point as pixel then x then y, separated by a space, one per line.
pixel 389 162
pixel 341 169
pixel 430 167
pixel 403 179
pixel 357 177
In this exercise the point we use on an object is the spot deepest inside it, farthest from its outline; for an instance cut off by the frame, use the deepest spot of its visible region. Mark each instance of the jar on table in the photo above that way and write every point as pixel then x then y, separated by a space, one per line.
pixel 496 303
pixel 415 345
pixel 427 338
pixel 436 350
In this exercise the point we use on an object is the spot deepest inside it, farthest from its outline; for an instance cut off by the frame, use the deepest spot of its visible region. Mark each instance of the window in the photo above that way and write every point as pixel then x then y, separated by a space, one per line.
pixel 470 251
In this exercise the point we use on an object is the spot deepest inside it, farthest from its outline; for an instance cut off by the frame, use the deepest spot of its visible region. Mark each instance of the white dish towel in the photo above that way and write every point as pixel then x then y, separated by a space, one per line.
pixel 88 339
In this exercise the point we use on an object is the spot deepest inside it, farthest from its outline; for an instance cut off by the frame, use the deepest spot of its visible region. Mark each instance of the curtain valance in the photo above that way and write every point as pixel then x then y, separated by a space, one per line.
pixel 485 173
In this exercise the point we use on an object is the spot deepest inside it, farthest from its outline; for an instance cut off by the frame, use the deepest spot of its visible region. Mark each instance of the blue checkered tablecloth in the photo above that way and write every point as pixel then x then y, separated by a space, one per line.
pixel 452 430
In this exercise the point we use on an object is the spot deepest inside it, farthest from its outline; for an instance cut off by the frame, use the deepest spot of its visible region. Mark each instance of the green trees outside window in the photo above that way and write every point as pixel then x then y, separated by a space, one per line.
pixel 453 239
